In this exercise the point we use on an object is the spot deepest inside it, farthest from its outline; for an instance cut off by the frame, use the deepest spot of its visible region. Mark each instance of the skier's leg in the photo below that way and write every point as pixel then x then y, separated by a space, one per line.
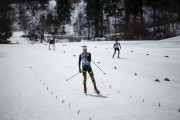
pixel 114 53
pixel 93 79
pixel 118 52
pixel 49 47
pixel 84 81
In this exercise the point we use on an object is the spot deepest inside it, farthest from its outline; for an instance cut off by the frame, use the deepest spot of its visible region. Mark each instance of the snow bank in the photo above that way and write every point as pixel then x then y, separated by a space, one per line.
pixel 18 39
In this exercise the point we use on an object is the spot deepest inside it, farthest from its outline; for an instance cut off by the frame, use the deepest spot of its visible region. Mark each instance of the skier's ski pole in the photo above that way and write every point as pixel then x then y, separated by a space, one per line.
pixel 72 76
pixel 98 67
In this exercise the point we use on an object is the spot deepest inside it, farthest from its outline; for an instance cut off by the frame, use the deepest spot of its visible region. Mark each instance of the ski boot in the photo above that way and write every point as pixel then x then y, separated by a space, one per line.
pixel 96 90
pixel 85 89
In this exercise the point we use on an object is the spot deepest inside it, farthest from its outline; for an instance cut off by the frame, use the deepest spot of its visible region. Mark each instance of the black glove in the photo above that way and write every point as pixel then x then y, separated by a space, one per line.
pixel 80 70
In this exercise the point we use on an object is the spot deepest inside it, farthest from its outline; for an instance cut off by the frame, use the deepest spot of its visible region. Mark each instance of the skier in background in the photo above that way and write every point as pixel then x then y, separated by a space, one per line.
pixel 85 57
pixel 117 47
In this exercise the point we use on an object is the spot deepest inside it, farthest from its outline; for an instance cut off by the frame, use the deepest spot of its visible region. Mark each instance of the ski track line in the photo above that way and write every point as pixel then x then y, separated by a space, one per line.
pixel 20 105
pixel 63 101
pixel 7 114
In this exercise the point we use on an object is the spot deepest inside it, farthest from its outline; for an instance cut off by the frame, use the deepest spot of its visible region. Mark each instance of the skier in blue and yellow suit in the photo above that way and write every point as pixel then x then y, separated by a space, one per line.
pixel 85 57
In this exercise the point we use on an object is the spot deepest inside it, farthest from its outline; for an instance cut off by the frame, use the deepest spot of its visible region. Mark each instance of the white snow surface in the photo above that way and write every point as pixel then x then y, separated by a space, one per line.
pixel 33 82
pixel 17 38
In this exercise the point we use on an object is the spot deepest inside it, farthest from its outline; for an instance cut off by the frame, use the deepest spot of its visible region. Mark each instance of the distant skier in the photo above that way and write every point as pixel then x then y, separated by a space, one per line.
pixel 117 47
pixel 85 57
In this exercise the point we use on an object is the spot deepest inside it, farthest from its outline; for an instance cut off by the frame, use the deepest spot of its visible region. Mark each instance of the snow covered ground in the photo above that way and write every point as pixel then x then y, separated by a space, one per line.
pixel 33 82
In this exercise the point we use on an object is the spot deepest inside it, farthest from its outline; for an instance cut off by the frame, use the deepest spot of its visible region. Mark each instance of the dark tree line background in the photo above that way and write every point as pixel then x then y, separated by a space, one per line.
pixel 132 19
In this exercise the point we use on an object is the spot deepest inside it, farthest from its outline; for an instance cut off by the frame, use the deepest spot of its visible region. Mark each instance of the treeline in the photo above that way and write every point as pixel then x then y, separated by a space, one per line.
pixel 135 19
pixel 129 19
pixel 17 14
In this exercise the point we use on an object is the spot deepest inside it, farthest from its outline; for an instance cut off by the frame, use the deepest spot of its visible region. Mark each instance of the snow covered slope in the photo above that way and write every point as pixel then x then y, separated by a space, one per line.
pixel 33 82
pixel 18 39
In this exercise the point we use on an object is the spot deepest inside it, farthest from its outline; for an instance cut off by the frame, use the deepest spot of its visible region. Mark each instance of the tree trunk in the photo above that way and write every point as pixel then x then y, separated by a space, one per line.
pixel 142 20
pixel 89 29
pixel 96 27
pixel 101 23
pixel 127 20
pixel 115 26
pixel 154 18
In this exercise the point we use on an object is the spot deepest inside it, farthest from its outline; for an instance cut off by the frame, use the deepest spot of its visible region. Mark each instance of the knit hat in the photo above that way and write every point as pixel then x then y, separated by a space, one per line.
pixel 84 47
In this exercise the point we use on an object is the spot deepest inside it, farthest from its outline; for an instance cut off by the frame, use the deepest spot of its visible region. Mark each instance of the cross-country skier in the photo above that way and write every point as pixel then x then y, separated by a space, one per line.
pixel 117 47
pixel 85 57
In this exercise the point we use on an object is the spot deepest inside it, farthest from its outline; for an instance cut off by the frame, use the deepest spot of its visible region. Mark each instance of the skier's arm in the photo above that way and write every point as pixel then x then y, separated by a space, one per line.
pixel 114 45
pixel 89 57
pixel 79 63
pixel 119 45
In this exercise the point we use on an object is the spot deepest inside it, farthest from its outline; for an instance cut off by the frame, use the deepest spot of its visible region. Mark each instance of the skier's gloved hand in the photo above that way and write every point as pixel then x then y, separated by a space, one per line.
pixel 80 70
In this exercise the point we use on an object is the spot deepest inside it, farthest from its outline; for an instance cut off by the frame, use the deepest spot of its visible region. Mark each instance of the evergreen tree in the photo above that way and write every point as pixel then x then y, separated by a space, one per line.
pixel 52 22
pixel 112 9
pixel 5 23
pixel 5 28
pixel 134 20
pixel 43 3
pixel 94 12
pixel 64 12
pixel 127 19
pixel 153 4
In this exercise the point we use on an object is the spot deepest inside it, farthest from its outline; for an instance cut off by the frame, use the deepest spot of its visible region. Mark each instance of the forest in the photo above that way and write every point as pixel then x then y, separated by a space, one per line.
pixel 128 19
